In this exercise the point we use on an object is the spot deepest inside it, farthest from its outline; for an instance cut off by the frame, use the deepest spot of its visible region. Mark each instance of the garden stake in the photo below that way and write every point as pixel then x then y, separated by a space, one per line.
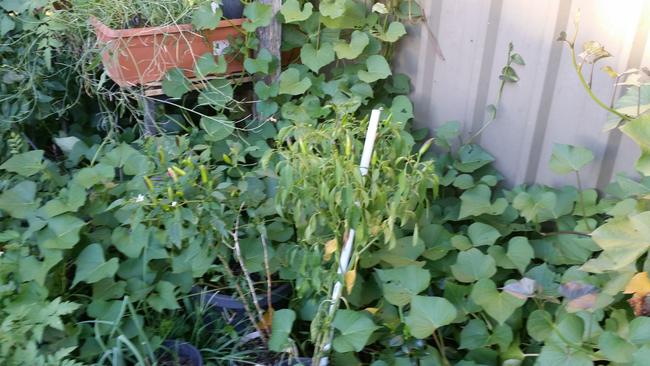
pixel 149 120
pixel 346 253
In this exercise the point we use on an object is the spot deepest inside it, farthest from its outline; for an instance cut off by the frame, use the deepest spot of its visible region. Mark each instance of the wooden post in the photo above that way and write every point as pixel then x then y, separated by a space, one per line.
pixel 271 38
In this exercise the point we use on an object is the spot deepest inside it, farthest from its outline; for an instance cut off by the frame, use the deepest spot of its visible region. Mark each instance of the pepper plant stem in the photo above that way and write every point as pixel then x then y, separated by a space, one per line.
pixel 346 252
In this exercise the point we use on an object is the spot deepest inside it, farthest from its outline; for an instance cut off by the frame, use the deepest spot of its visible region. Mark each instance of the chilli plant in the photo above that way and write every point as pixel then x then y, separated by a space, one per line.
pixel 321 191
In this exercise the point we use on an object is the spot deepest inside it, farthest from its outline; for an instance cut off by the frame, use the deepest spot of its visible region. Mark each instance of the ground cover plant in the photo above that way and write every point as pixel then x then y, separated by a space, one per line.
pixel 109 238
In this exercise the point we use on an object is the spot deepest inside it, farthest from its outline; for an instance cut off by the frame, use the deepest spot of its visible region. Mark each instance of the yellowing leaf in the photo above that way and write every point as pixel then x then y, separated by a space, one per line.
pixel 639 284
pixel 610 71
pixel 592 52
pixel 380 8
pixel 267 320
pixel 372 311
pixel 350 277
pixel 330 248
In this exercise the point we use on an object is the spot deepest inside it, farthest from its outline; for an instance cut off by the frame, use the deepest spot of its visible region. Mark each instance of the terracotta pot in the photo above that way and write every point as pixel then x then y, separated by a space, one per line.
pixel 141 56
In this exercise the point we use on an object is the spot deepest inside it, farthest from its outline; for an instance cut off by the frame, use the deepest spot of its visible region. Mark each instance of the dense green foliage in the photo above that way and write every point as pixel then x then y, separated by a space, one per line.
pixel 36 90
pixel 107 236
pixel 342 66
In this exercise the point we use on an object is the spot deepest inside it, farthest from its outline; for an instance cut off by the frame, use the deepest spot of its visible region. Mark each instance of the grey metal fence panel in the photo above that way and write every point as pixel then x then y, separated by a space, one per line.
pixel 548 104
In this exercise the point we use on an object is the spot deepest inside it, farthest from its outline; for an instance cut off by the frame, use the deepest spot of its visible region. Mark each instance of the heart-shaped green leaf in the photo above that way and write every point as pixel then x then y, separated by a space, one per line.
pixel 332 8
pixel 394 32
pixel 429 313
pixel 281 328
pixel 569 158
pixel 264 91
pixel 217 94
pixel 540 325
pixel 267 108
pixel 564 355
pixel 290 82
pixel 377 69
pixel 163 298
pixel 62 232
pixel 25 164
pixel 477 201
pixel 259 64
pixel 532 206
pixel 69 200
pixel 640 330
pixel 473 265
pixel 615 348
pixel 292 13
pixel 315 59
pixel 520 252
pixel 343 14
pixel 258 15
pixel 125 156
pixel 639 130
pixel 474 335
pixel 217 127
pixel 447 134
pixel 401 109
pixel 92 267
pixel 354 329
pixel 624 240
pixel 358 42
pixel 499 305
pixel 206 65
pixel 20 200
pixel 6 25
pixel 99 173
pixel 204 18
pixel 130 241
pixel 482 234
pixel 175 84
pixel 399 285
pixel 472 157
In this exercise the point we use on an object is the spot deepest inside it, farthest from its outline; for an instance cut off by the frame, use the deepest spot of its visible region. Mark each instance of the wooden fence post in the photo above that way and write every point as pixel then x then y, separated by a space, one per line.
pixel 271 38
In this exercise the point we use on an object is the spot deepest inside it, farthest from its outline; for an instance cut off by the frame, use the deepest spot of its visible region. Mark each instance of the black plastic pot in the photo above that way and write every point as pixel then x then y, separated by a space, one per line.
pixel 303 361
pixel 232 9
pixel 252 342
pixel 233 310
pixel 178 352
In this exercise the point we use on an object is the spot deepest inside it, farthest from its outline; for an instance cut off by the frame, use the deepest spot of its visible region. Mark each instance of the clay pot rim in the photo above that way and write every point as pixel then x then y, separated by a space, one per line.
pixel 104 32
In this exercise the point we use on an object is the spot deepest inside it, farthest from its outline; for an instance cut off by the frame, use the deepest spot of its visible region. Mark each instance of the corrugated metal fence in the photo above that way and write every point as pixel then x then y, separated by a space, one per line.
pixel 548 104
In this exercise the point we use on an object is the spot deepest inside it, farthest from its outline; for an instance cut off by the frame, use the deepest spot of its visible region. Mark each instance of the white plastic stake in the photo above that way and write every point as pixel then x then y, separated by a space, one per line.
pixel 369 145
pixel 346 252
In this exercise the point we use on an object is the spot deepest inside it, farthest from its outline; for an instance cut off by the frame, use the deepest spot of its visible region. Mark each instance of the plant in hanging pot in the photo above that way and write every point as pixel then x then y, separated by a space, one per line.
pixel 141 51
pixel 346 213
